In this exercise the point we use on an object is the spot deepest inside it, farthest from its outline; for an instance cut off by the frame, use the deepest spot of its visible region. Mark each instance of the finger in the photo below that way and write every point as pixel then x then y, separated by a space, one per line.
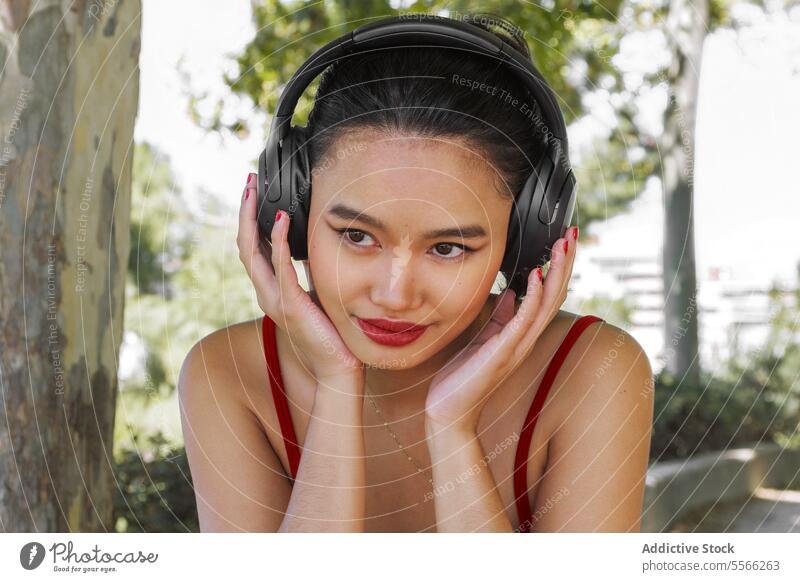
pixel 244 195
pixel 266 249
pixel 244 234
pixel 555 274
pixel 282 259
pixel 245 210
pixel 257 266
pixel 555 284
pixel 572 235
pixel 514 329
pixel 523 338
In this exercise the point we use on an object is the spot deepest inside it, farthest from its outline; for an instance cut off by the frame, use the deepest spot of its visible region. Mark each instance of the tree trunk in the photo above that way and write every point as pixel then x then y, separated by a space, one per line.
pixel 687 23
pixel 68 99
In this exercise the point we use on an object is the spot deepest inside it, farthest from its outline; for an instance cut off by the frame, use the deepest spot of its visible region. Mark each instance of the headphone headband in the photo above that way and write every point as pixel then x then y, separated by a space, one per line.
pixel 429 30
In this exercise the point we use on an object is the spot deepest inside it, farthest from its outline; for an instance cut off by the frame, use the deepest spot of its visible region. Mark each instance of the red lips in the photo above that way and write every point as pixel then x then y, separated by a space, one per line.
pixel 397 326
pixel 393 333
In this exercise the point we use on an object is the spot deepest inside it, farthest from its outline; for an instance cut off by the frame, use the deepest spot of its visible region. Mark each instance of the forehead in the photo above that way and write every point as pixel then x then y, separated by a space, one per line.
pixel 393 174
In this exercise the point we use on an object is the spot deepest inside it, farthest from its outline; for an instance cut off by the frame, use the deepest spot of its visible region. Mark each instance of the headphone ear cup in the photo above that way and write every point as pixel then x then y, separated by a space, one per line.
pixel 543 211
pixel 267 194
pixel 515 240
pixel 527 246
pixel 298 192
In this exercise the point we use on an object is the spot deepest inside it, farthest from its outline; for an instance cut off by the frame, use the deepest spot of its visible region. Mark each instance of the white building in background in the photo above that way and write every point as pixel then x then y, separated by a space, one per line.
pixel 730 310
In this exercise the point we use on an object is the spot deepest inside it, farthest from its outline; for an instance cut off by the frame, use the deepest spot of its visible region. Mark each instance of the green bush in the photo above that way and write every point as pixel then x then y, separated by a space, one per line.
pixel 716 415
pixel 754 398
pixel 154 491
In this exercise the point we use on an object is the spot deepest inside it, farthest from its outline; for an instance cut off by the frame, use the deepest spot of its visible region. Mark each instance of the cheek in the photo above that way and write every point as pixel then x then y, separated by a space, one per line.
pixel 471 288
pixel 462 302
pixel 335 277
pixel 465 285
pixel 459 297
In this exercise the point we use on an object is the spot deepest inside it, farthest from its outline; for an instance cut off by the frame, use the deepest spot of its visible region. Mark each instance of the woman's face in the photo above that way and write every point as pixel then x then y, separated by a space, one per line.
pixel 391 192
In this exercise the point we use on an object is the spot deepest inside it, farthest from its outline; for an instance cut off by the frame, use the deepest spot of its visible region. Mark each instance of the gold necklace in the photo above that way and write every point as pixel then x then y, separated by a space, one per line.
pixel 420 470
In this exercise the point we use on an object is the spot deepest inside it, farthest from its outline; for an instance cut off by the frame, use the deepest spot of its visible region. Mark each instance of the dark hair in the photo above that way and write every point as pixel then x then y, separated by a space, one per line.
pixel 412 90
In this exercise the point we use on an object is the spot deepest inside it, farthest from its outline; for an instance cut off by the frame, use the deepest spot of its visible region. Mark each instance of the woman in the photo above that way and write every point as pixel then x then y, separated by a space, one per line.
pixel 399 394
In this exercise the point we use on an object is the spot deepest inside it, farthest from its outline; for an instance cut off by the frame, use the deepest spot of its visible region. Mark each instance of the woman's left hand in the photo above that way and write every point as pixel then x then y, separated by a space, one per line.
pixel 459 391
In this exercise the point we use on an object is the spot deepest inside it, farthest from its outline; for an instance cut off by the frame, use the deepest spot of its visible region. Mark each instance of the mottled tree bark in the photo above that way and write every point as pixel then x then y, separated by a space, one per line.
pixel 68 99
pixel 687 25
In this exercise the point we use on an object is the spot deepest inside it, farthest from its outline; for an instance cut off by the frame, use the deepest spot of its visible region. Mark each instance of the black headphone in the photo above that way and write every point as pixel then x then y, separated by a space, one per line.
pixel 543 208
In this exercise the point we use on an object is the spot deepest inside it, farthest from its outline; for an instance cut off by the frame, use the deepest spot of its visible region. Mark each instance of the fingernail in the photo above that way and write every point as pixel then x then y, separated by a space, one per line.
pixel 566 246
pixel 249 178
pixel 539 273
pixel 277 216
pixel 574 233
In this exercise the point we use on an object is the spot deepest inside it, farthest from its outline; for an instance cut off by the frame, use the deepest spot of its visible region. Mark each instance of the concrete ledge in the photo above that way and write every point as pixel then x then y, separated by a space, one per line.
pixel 676 487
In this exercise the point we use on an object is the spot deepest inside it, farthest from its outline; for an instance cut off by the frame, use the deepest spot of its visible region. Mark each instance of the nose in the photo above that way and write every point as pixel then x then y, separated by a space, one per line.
pixel 394 287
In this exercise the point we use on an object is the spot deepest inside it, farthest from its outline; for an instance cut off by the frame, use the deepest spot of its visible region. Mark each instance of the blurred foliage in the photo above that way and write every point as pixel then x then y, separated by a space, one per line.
pixel 157 246
pixel 154 489
pixel 184 277
pixel 293 30
pixel 185 280
pixel 754 398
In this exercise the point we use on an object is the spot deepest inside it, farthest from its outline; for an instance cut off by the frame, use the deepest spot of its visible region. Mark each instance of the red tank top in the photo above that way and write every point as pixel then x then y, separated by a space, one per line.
pixel 521 458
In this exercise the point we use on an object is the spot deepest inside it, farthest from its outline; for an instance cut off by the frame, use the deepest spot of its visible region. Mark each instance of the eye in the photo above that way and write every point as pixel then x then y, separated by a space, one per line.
pixel 354 237
pixel 445 248
pixel 350 234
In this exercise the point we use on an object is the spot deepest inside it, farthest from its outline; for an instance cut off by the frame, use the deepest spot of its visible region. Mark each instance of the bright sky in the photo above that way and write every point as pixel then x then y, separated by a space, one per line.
pixel 746 195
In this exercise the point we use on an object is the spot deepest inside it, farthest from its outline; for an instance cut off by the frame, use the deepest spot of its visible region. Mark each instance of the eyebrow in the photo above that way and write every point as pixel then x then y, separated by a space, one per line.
pixel 347 213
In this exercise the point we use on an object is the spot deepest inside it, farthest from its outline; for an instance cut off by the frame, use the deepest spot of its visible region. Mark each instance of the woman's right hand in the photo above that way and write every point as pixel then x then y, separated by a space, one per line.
pixel 282 298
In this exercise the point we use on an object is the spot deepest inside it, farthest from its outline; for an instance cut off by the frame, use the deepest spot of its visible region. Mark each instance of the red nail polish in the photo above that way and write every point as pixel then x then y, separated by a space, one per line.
pixel 249 178
pixel 277 216
pixel 539 273
pixel 574 233
pixel 247 194
pixel 566 246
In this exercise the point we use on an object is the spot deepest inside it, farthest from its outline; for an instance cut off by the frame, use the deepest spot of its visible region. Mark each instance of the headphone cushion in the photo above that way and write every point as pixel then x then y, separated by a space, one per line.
pixel 297 179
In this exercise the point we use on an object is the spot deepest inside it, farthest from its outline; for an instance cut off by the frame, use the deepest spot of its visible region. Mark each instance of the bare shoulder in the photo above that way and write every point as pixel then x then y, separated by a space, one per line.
pixel 227 369
pixel 233 362
pixel 602 358
pixel 228 356
pixel 238 479
pixel 598 450
pixel 605 353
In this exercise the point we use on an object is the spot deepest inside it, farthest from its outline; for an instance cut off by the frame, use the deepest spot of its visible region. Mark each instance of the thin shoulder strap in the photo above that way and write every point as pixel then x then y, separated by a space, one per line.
pixel 279 395
pixel 521 458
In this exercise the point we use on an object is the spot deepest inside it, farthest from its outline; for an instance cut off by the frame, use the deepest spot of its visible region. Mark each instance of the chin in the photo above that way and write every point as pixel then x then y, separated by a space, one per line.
pixel 388 364
pixel 377 357
pixel 384 357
